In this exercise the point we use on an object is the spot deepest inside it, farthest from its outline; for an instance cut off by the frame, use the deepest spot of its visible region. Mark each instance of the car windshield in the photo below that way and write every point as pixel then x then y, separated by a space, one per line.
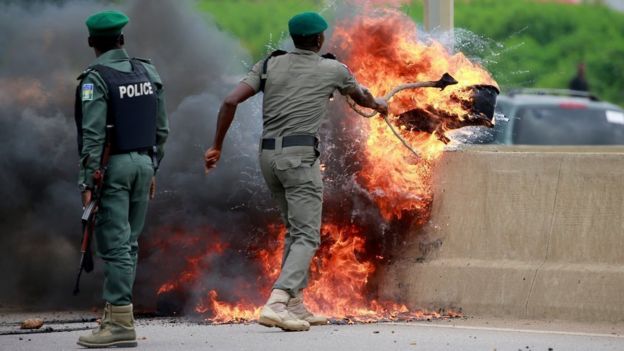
pixel 554 125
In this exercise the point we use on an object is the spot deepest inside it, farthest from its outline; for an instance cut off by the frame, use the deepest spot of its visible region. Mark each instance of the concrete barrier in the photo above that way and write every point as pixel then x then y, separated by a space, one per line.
pixel 526 232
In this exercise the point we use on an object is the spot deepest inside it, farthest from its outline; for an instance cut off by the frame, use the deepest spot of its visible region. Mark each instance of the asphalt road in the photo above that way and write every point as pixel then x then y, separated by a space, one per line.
pixel 466 334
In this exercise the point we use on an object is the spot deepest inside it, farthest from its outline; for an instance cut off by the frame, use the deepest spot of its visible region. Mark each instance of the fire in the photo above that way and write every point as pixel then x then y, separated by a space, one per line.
pixel 340 277
pixel 23 92
pixel 223 312
pixel 338 286
pixel 194 264
pixel 383 51
pixel 208 252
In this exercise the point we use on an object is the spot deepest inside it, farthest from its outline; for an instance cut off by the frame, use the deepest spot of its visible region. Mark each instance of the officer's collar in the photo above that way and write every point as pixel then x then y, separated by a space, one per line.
pixel 111 56
pixel 304 52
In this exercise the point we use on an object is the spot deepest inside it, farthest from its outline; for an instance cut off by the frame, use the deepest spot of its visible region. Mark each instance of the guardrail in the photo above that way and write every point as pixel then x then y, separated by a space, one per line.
pixel 524 232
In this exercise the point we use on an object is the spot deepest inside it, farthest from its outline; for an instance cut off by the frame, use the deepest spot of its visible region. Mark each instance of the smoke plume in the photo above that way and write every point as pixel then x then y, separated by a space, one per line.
pixel 44 48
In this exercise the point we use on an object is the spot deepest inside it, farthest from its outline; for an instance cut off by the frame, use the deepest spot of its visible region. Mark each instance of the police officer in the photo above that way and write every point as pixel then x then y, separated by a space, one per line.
pixel 127 96
pixel 297 86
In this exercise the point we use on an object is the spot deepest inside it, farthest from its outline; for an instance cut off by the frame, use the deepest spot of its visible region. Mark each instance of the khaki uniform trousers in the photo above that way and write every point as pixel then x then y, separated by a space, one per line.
pixel 120 220
pixel 294 177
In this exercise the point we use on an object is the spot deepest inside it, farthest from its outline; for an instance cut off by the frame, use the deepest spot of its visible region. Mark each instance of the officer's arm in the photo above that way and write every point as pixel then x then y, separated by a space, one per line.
pixel 93 127
pixel 347 85
pixel 162 125
pixel 363 97
pixel 247 88
pixel 162 122
pixel 227 111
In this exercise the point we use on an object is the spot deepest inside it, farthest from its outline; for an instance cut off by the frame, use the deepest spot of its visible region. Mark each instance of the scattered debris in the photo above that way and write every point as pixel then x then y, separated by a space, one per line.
pixel 33 323
pixel 454 314
pixel 36 326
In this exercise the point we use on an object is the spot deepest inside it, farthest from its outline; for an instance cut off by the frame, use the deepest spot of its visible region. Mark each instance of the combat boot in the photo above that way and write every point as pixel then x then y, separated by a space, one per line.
pixel 275 313
pixel 115 330
pixel 297 308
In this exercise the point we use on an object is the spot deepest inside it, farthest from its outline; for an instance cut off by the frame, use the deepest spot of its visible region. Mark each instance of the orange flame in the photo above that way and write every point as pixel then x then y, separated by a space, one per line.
pixel 339 278
pixel 383 51
pixel 338 287
pixel 24 92
pixel 223 312
pixel 194 264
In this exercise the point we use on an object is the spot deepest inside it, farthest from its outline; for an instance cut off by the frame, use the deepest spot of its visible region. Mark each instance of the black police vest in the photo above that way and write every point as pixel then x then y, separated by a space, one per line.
pixel 132 108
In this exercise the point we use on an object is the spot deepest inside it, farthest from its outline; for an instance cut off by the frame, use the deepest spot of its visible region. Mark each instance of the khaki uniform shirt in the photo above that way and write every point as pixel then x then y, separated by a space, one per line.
pixel 297 91
pixel 94 112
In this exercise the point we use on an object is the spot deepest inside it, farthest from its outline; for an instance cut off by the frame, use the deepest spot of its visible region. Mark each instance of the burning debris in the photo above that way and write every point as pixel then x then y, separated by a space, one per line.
pixel 384 51
pixel 33 323
pixel 480 112
pixel 441 83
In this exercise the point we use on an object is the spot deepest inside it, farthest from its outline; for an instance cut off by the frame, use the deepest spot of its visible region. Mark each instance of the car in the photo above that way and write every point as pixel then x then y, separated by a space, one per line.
pixel 556 117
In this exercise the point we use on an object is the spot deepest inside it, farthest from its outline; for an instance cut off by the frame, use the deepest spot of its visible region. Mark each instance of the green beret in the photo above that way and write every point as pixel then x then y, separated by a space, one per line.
pixel 307 23
pixel 106 23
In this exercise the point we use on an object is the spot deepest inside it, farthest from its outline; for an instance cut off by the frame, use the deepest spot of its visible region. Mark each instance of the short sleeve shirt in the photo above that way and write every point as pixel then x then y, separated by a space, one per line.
pixel 297 91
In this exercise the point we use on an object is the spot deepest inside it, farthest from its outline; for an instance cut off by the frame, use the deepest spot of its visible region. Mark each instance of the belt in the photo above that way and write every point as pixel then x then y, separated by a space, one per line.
pixel 290 140
pixel 140 151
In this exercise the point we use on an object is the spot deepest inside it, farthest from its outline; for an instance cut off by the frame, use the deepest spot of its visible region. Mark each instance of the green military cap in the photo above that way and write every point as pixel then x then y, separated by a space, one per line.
pixel 307 23
pixel 106 23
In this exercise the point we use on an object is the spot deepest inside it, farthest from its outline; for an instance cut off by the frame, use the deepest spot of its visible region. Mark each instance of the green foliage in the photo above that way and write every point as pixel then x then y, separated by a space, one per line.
pixel 523 43
pixel 540 44
pixel 258 23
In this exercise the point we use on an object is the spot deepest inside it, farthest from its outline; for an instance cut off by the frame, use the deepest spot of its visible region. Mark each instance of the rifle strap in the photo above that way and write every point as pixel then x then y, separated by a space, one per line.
pixel 154 155
pixel 265 67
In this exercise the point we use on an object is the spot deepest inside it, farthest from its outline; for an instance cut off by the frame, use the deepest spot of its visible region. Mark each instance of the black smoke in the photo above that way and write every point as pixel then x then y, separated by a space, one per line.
pixel 43 49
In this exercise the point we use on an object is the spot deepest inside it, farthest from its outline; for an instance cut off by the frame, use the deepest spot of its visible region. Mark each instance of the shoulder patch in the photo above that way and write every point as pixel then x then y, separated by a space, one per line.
pixel 87 92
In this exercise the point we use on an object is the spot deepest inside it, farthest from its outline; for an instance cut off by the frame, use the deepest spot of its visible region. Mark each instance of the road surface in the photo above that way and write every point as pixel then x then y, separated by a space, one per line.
pixel 457 334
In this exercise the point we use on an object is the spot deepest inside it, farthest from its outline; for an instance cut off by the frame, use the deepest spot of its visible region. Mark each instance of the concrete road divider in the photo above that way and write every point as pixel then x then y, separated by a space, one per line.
pixel 526 232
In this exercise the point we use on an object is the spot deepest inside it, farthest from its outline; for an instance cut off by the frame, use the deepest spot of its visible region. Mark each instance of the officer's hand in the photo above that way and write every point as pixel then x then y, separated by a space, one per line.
pixel 152 191
pixel 211 157
pixel 382 106
pixel 86 198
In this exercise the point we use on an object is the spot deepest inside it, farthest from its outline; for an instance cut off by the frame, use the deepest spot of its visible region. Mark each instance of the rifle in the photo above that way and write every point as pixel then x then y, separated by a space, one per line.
pixel 89 213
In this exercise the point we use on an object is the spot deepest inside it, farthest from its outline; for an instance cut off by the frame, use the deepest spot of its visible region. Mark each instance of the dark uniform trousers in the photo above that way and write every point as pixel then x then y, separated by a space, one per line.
pixel 120 220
